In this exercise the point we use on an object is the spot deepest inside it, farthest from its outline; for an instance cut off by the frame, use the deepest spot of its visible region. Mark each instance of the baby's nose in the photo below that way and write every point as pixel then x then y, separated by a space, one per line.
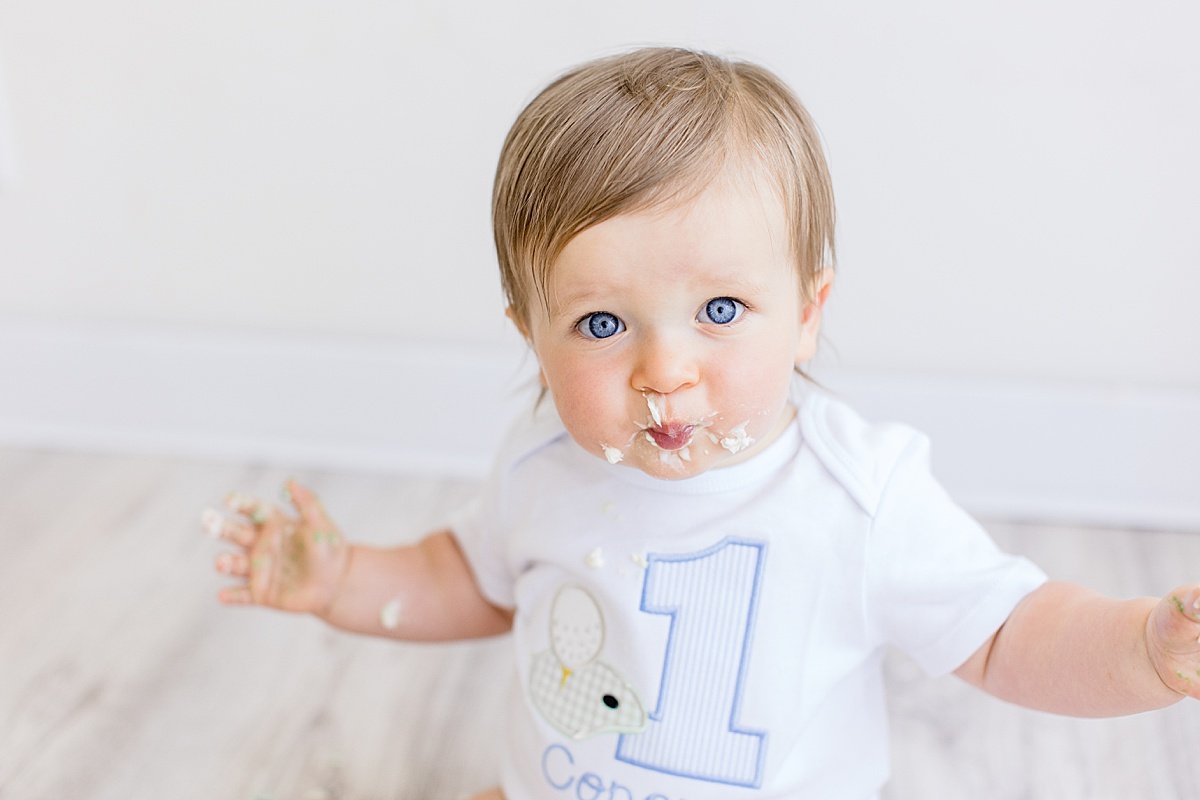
pixel 664 367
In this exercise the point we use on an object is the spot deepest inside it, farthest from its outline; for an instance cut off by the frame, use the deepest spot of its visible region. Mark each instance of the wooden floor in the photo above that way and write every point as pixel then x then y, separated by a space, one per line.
pixel 123 679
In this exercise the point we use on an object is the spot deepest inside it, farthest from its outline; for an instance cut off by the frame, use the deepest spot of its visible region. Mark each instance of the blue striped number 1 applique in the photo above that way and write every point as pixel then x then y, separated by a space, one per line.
pixel 711 598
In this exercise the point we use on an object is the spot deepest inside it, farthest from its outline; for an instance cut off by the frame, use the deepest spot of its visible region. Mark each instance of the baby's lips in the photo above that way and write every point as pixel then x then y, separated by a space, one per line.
pixel 672 437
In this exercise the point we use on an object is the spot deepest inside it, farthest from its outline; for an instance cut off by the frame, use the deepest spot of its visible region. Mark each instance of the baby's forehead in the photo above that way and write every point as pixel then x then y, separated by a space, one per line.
pixel 714 231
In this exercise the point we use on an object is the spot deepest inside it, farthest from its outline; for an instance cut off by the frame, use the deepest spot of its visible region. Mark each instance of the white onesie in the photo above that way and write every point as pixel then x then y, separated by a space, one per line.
pixel 722 636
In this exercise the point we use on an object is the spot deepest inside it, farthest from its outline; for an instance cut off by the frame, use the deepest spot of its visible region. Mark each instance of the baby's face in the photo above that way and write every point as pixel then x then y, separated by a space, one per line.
pixel 671 336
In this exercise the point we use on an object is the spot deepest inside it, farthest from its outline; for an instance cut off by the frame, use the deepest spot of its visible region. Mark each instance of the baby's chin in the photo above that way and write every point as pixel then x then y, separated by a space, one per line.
pixel 671 465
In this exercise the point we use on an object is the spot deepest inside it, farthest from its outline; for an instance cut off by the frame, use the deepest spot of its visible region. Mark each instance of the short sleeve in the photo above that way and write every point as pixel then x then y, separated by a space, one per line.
pixel 482 527
pixel 478 527
pixel 937 586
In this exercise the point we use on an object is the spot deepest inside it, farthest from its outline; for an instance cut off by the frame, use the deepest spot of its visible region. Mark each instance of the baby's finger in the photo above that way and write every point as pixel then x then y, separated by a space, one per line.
pixel 219 527
pixel 234 564
pixel 1173 628
pixel 259 512
pixel 242 503
pixel 236 596
pixel 1186 600
pixel 310 508
pixel 262 565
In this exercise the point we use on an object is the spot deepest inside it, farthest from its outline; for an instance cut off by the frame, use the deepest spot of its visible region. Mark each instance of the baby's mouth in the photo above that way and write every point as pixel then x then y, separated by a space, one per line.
pixel 668 435
pixel 672 436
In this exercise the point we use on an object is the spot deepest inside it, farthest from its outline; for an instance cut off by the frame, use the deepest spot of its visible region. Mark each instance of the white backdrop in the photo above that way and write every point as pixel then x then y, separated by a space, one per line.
pixel 1016 186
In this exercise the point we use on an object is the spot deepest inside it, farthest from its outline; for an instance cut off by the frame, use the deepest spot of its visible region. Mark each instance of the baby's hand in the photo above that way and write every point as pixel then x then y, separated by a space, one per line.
pixel 287 563
pixel 1173 640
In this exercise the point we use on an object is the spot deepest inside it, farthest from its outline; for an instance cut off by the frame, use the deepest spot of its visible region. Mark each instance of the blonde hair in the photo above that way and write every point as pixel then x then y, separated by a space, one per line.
pixel 644 129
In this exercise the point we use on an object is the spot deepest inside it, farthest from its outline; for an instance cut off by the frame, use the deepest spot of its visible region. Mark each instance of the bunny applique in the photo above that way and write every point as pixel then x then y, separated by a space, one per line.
pixel 576 693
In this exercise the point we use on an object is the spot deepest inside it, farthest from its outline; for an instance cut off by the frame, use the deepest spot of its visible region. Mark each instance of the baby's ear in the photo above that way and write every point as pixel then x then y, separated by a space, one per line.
pixel 811 313
pixel 810 317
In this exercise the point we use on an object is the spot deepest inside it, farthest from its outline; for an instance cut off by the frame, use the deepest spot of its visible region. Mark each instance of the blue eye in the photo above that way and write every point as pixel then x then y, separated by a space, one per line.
pixel 723 310
pixel 600 325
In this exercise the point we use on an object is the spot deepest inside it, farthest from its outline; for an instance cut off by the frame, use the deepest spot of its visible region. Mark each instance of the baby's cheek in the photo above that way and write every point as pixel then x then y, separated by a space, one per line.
pixel 583 400
pixel 752 387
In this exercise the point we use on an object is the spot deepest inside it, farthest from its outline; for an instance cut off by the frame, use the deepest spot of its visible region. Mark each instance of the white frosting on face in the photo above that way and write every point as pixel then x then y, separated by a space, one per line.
pixel 654 401
pixel 734 441
pixel 595 559
pixel 737 440
pixel 674 458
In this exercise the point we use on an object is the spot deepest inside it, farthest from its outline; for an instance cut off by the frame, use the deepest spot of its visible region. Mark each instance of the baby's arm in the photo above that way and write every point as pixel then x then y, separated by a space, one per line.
pixel 422 591
pixel 425 591
pixel 1068 650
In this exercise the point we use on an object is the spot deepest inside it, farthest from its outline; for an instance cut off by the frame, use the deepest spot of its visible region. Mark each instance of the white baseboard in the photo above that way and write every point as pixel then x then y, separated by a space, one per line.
pixel 1017 450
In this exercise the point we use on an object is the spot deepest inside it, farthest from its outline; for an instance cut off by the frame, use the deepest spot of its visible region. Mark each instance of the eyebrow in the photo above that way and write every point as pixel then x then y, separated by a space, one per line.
pixel 560 302
pixel 732 283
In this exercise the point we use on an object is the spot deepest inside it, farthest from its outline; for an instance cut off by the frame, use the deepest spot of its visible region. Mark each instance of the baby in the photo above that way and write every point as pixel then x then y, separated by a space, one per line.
pixel 701 556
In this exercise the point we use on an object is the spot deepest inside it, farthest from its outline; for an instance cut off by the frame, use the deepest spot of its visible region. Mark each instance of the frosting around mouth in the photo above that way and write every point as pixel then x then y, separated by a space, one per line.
pixel 655 402
pixel 737 439
pixel 672 438
pixel 613 454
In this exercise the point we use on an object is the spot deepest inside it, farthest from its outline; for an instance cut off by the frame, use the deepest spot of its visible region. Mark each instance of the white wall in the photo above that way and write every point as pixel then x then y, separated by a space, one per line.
pixel 1016 181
